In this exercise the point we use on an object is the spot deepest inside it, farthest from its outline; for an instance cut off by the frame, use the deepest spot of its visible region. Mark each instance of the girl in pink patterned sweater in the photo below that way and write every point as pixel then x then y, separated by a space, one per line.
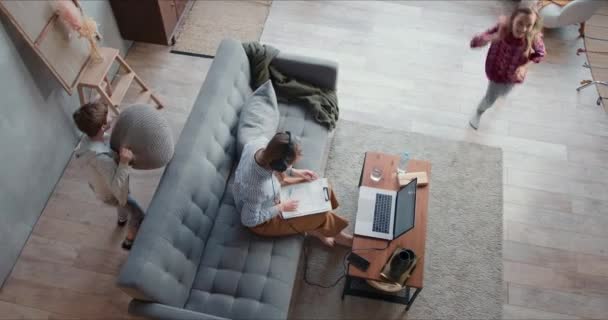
pixel 515 43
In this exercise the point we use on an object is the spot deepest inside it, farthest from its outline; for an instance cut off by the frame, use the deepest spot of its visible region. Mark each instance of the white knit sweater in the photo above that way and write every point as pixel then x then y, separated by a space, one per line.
pixel 109 180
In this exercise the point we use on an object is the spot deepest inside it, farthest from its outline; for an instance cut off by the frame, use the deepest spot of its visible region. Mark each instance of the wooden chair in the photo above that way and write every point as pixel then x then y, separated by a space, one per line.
pixel 95 77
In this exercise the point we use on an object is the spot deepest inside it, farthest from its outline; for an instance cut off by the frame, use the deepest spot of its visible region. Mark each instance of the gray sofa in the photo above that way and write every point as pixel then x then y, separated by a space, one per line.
pixel 192 258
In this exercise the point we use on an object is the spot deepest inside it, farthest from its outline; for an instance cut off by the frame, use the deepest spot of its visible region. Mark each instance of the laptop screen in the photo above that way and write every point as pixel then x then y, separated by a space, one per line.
pixel 406 209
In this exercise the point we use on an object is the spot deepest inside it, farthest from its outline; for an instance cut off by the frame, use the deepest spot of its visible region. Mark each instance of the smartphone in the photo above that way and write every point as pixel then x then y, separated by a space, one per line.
pixel 358 261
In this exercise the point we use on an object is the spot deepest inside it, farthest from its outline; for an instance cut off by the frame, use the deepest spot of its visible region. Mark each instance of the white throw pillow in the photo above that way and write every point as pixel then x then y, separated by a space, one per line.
pixel 259 117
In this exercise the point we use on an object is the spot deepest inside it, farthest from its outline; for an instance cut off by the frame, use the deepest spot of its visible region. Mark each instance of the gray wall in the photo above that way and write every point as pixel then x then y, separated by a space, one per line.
pixel 37 135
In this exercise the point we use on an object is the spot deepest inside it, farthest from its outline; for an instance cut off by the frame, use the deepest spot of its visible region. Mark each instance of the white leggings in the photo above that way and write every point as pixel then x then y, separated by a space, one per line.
pixel 494 91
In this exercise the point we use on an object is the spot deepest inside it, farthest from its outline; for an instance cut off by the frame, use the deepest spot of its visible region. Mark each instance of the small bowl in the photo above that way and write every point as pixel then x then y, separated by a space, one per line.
pixel 376 174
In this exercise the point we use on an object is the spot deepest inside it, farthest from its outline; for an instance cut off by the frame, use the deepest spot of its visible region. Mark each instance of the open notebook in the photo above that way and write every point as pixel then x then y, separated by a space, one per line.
pixel 313 198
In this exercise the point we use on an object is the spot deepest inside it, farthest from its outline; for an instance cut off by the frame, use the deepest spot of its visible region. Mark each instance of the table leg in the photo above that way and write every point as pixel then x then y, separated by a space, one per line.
pixel 346 286
pixel 81 95
pixel 411 301
pixel 106 98
pixel 586 84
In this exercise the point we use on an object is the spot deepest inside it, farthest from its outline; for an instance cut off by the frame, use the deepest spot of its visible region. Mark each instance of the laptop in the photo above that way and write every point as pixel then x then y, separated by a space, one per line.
pixel 385 214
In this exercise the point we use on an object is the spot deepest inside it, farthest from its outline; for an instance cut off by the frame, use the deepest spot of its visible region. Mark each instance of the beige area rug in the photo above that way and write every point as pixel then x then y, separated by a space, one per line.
pixel 463 268
pixel 210 21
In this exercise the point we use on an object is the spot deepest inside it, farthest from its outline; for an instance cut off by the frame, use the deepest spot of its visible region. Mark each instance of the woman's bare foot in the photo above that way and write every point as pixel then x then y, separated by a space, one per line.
pixel 328 241
pixel 128 242
pixel 344 239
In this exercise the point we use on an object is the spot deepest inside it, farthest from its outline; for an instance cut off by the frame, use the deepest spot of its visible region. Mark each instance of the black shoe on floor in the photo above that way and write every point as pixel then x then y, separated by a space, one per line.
pixel 122 223
pixel 127 244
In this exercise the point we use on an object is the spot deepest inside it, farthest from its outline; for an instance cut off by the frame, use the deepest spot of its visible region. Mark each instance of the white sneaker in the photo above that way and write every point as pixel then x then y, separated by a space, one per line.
pixel 474 122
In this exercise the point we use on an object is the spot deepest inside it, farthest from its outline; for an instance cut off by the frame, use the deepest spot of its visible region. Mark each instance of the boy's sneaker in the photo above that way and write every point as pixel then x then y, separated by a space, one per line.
pixel 474 121
pixel 127 244
pixel 122 222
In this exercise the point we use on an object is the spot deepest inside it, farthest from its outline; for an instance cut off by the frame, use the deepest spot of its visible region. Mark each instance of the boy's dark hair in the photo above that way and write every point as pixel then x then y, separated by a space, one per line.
pixel 91 117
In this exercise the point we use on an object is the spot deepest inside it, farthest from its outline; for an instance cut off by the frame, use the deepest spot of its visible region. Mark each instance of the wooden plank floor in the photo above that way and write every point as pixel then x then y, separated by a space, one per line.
pixel 69 265
pixel 409 59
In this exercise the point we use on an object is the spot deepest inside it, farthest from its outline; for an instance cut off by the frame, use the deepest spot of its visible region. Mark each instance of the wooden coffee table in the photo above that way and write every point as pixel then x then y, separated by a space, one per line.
pixel 376 250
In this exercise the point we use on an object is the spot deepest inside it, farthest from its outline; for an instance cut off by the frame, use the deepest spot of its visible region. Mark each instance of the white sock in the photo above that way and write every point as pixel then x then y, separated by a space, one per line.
pixel 475 118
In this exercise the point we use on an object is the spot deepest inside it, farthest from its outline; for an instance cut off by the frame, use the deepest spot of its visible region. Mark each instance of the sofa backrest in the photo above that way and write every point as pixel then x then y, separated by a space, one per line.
pixel 165 256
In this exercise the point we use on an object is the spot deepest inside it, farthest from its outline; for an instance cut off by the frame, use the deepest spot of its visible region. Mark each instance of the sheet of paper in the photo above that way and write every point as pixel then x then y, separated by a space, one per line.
pixel 313 197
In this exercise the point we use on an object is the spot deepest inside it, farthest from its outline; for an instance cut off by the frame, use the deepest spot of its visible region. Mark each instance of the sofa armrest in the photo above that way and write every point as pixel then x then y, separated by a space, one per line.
pixel 162 312
pixel 319 72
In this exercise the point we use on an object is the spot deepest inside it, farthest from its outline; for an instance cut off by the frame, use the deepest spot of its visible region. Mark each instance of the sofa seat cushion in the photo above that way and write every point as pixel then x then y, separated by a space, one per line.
pixel 242 275
pixel 312 136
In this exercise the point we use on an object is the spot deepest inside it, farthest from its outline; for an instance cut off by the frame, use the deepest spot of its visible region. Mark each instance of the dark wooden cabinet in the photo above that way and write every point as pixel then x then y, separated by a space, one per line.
pixel 152 21
pixel 181 6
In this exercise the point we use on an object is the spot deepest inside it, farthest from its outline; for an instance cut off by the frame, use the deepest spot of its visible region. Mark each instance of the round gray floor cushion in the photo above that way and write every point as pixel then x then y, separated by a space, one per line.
pixel 145 131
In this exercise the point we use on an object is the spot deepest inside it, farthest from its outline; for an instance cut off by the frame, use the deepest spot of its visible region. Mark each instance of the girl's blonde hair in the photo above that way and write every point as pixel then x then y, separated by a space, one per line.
pixel 532 33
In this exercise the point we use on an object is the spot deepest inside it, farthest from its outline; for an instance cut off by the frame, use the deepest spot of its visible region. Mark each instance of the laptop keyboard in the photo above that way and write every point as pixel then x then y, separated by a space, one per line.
pixel 382 213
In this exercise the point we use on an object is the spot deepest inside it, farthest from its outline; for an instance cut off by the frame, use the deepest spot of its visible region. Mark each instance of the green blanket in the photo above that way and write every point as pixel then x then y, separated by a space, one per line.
pixel 323 103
